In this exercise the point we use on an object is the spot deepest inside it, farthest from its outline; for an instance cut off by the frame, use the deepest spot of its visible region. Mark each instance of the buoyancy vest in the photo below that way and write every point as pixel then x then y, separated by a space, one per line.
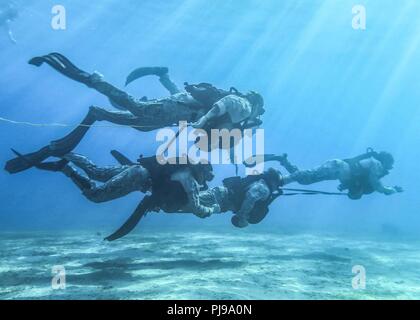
pixel 168 194
pixel 238 187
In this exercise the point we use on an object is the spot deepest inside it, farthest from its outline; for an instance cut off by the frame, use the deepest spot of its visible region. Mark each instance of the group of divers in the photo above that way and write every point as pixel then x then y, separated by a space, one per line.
pixel 183 188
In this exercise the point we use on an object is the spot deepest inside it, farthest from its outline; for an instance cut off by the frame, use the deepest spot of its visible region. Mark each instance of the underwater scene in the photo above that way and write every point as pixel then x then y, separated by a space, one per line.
pixel 209 150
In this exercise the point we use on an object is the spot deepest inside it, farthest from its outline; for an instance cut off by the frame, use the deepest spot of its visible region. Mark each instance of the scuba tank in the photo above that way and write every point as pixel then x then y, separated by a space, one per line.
pixel 359 183
pixel 207 94
pixel 238 187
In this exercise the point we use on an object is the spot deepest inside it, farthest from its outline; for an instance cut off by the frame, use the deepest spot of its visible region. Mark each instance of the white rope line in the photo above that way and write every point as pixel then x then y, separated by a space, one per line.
pixel 66 125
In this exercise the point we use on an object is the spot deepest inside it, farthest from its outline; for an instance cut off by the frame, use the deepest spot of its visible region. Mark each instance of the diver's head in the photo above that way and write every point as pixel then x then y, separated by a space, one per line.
pixel 274 179
pixel 257 102
pixel 203 173
pixel 386 159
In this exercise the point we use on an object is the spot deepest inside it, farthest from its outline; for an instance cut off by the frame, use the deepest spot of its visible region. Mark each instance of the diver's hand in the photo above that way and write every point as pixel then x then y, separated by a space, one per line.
pixel 216 208
pixel 200 124
pixel 391 190
pixel 398 189
pixel 341 188
pixel 202 215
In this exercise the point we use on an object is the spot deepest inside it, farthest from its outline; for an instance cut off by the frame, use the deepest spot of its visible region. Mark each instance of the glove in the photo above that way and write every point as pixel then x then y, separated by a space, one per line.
pixel 398 189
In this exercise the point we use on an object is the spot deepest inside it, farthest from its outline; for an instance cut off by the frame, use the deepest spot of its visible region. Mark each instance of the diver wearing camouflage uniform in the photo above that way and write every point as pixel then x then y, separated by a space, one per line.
pixel 359 176
pixel 248 198
pixel 176 183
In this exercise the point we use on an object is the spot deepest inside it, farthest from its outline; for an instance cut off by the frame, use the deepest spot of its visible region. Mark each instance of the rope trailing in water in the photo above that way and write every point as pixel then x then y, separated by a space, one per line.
pixel 65 125
pixel 311 192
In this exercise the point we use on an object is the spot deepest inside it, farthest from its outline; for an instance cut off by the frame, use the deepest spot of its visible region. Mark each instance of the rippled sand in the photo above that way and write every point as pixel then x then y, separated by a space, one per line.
pixel 210 265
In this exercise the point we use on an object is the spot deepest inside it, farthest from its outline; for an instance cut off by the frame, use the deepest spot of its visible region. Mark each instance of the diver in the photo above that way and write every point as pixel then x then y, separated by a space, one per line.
pixel 358 176
pixel 174 185
pixel 8 13
pixel 142 115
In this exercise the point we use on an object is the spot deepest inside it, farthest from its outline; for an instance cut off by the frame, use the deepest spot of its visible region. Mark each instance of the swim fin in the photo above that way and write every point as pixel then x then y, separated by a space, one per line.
pixel 146 71
pixel 141 210
pixel 122 159
pixel 25 162
pixel 64 66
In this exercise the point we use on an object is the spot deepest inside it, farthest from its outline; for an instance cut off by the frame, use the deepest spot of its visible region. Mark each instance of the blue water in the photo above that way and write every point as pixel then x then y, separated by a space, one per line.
pixel 330 91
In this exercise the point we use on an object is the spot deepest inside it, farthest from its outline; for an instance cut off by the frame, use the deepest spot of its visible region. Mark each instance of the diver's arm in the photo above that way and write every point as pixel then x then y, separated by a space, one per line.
pixel 191 187
pixel 168 84
pixel 379 187
pixel 258 191
pixel 376 172
pixel 377 184
pixel 216 111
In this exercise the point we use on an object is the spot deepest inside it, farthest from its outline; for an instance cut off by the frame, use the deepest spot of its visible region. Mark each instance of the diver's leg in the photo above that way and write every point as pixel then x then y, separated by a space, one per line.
pixel 134 178
pixel 61 147
pixel 63 65
pixel 166 81
pixel 102 174
pixel 126 118
pixel 149 111
pixel 330 170
pixel 81 181
pixel 285 163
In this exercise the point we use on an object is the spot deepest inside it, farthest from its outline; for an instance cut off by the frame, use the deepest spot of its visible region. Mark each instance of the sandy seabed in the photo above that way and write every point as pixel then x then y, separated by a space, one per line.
pixel 207 265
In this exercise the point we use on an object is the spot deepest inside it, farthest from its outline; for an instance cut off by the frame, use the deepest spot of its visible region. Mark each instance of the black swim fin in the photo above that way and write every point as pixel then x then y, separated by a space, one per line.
pixel 27 161
pixel 146 71
pixel 141 210
pixel 122 159
pixel 64 66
